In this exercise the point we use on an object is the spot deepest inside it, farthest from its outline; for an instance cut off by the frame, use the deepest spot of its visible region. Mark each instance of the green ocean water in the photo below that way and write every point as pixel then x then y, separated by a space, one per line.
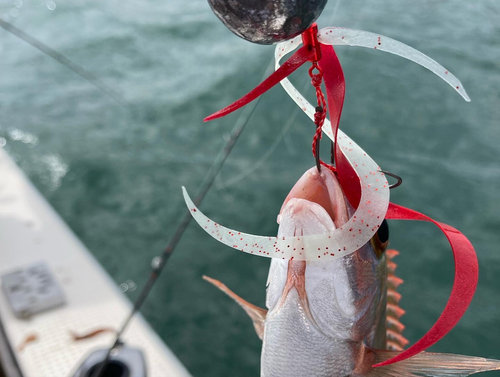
pixel 114 173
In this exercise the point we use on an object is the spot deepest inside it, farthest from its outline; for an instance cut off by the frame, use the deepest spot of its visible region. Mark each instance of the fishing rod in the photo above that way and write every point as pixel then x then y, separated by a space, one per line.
pixel 60 58
pixel 158 263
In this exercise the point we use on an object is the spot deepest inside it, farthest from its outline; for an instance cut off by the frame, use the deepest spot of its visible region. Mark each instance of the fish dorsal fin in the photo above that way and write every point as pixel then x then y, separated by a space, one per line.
pixel 427 364
pixel 258 315
pixel 395 340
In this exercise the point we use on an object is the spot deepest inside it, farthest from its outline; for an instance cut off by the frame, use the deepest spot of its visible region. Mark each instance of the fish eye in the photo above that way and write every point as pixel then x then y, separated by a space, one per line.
pixel 383 232
pixel 380 240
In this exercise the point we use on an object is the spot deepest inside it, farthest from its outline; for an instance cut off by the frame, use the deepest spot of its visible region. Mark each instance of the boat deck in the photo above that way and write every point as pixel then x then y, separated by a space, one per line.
pixel 30 232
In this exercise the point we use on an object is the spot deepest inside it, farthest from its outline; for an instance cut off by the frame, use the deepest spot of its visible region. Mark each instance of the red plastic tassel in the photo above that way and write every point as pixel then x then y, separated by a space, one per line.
pixel 464 285
pixel 333 77
pixel 302 55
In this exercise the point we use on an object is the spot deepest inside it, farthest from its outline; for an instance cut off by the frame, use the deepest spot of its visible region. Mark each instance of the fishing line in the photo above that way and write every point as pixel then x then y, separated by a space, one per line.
pixel 158 263
pixel 337 5
pixel 71 65
pixel 359 20
pixel 274 145
pixel 265 156
pixel 335 9
pixel 269 152
pixel 287 140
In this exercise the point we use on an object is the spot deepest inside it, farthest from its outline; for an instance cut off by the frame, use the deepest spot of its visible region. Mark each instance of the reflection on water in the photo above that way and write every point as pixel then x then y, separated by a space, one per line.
pixel 128 286
pixel 24 137
pixel 115 174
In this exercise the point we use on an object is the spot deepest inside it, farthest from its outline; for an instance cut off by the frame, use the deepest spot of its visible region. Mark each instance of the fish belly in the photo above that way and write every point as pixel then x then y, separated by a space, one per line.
pixel 295 347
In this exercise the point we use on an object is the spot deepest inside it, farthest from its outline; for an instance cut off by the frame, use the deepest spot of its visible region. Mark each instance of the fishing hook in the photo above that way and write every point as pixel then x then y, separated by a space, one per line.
pixel 398 183
pixel 317 136
pixel 332 153
pixel 318 162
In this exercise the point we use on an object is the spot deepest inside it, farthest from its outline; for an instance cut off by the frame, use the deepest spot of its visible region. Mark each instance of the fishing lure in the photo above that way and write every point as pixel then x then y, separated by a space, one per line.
pixel 361 180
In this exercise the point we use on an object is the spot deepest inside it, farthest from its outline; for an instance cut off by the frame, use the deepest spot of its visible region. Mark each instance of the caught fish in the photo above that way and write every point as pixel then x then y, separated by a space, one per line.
pixel 337 317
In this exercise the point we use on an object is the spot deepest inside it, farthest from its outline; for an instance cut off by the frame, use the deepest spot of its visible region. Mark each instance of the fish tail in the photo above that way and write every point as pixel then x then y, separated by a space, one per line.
pixel 428 364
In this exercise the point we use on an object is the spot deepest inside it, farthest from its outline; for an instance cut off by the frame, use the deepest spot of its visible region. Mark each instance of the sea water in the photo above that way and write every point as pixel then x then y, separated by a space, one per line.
pixel 114 172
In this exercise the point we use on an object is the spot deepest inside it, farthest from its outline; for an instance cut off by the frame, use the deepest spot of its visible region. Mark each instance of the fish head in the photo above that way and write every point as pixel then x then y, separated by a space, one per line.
pixel 345 297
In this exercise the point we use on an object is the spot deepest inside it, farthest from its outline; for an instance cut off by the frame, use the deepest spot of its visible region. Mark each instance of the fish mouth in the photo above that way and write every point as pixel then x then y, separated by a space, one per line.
pixel 315 205
pixel 322 188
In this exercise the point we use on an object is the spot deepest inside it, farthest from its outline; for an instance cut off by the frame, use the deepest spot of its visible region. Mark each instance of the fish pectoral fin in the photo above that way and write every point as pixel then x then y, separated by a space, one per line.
pixel 426 364
pixel 258 315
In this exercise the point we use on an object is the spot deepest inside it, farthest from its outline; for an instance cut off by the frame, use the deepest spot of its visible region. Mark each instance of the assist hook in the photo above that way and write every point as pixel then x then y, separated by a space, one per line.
pixel 310 41
pixel 398 183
